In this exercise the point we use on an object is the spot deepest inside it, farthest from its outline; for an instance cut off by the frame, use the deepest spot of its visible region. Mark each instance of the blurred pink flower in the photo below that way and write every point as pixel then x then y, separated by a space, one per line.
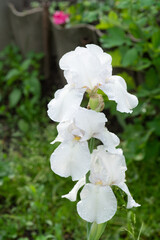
pixel 59 17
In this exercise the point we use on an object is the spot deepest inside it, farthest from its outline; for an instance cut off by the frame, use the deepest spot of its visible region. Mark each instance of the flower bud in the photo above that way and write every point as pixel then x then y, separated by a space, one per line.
pixel 96 102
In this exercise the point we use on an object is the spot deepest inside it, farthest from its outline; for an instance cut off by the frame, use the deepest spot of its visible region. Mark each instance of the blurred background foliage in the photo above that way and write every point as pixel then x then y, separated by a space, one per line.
pixel 30 193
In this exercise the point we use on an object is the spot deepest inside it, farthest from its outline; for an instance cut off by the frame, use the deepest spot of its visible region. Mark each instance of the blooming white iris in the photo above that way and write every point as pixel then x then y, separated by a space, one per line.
pixel 86 69
pixel 98 202
pixel 72 157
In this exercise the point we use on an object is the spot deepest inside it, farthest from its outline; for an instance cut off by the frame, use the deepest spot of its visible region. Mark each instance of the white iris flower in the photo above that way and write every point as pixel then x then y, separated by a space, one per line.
pixel 72 157
pixel 88 69
pixel 98 202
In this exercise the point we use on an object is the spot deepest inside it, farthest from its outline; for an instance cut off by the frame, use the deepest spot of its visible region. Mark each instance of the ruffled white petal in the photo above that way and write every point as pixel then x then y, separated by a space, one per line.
pixel 65 103
pixel 131 202
pixel 90 122
pixel 98 203
pixel 104 58
pixel 71 158
pixel 86 67
pixel 116 89
pixel 110 140
pixel 64 132
pixel 72 195
pixel 107 168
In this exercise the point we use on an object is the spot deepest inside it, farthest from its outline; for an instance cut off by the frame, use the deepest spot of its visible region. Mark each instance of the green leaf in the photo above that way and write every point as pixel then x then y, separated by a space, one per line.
pixel 123 4
pixel 155 124
pixel 143 63
pixel 156 39
pixel 89 17
pixel 2 109
pixel 103 25
pixel 156 62
pixel 116 58
pixel 157 97
pixel 108 21
pixel 115 37
pixel 23 125
pixel 26 64
pixel 148 93
pixel 12 75
pixel 35 86
pixel 135 30
pixel 145 3
pixel 14 97
pixel 96 231
pixel 151 78
pixel 130 57
pixel 152 150
pixel 113 16
pixel 129 80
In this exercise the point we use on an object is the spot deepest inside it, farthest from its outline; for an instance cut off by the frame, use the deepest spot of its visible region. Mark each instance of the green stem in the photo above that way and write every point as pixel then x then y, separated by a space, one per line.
pixel 91 147
pixel 96 231
pixel 91 144
pixel 88 228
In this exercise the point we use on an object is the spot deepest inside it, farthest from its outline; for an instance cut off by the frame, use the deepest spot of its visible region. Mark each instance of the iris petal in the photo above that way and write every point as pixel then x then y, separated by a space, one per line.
pixel 98 203
pixel 88 66
pixel 71 158
pixel 90 122
pixel 131 202
pixel 65 103
pixel 110 140
pixel 116 89
pixel 72 195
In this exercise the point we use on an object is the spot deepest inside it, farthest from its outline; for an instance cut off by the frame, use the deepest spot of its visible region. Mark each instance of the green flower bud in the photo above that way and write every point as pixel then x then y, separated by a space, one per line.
pixel 96 102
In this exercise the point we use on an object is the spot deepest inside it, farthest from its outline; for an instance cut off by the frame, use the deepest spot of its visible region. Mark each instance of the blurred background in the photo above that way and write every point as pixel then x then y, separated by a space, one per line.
pixel 33 37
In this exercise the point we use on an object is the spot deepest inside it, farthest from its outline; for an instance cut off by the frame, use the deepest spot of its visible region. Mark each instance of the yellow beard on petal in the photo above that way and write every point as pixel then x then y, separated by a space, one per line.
pixel 99 182
pixel 77 138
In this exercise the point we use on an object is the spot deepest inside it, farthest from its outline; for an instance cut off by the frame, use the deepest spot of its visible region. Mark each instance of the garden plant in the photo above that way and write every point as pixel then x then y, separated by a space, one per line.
pixel 87 70
pixel 31 203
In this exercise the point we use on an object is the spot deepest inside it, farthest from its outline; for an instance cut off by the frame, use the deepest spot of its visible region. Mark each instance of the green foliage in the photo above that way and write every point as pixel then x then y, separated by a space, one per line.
pixel 30 191
pixel 133 26
pixel 20 87
pixel 83 11
pixel 31 206
pixel 115 37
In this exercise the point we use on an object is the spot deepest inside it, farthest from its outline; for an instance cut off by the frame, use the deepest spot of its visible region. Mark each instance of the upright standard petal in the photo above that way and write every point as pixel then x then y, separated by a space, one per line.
pixel 90 122
pixel 65 103
pixel 71 158
pixel 86 67
pixel 72 195
pixel 98 203
pixel 131 202
pixel 116 89
pixel 104 58
pixel 107 168
pixel 63 133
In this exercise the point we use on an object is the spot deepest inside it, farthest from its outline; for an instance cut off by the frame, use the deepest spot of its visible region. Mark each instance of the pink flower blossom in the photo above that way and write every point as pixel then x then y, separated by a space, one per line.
pixel 59 17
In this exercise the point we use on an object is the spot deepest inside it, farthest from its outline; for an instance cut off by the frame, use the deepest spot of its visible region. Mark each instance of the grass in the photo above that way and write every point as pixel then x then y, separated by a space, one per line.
pixel 31 206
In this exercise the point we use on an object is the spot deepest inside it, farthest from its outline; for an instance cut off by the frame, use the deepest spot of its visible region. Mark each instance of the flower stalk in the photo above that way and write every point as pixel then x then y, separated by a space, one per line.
pixel 96 231
pixel 96 170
